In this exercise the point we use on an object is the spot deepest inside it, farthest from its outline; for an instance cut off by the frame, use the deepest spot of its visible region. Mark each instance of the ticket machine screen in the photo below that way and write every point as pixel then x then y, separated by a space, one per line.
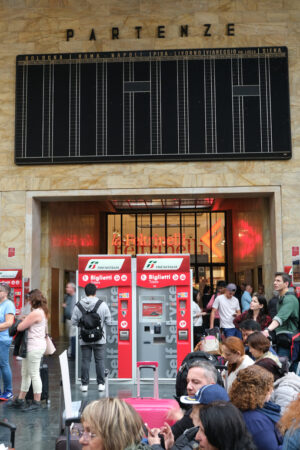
pixel 152 310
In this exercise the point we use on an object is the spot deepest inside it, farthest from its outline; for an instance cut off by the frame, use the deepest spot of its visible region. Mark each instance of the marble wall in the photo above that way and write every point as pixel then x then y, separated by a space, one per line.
pixel 39 26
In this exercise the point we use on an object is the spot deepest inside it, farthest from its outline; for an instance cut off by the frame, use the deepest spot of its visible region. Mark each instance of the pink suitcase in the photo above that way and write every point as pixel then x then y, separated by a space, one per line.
pixel 152 410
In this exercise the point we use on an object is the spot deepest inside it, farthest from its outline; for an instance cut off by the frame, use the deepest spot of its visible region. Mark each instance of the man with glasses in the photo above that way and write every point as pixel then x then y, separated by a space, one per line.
pixel 7 313
pixel 228 307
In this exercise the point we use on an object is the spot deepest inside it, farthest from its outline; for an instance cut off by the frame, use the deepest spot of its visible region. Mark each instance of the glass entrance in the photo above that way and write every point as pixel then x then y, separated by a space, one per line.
pixel 201 234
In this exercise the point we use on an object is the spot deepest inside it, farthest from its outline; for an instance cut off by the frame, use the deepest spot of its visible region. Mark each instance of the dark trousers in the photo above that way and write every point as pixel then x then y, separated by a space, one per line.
pixel 86 356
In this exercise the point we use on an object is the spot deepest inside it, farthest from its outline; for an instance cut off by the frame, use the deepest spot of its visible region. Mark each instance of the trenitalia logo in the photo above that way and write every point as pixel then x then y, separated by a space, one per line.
pixel 105 264
pixel 163 264
pixel 8 274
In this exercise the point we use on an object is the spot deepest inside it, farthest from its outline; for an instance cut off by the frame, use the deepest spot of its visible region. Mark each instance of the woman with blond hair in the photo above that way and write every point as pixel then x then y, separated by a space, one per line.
pixel 36 324
pixel 233 351
pixel 112 424
pixel 251 392
pixel 290 425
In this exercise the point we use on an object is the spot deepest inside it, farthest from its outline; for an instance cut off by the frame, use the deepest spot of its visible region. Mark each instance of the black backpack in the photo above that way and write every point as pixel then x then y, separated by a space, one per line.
pixel 90 323
pixel 186 364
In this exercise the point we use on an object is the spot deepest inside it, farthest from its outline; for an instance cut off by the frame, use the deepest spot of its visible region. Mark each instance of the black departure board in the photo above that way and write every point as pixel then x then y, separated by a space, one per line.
pixel 163 105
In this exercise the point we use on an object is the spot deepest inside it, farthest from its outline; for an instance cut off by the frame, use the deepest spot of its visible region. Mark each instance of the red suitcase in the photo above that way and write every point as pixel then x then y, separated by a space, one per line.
pixel 154 410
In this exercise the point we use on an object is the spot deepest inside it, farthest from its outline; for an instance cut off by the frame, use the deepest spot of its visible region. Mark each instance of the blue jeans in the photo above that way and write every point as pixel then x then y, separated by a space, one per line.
pixel 5 371
pixel 228 332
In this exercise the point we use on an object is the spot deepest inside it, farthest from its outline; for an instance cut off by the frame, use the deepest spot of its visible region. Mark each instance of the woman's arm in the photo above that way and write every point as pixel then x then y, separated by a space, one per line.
pixel 34 317
pixel 239 319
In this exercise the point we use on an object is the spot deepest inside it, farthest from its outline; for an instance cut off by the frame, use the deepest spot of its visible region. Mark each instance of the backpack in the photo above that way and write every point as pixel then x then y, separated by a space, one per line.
pixel 90 323
pixel 186 364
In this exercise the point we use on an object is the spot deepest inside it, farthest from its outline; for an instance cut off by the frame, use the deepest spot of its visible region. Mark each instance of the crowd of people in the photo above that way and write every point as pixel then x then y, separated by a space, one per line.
pixel 254 404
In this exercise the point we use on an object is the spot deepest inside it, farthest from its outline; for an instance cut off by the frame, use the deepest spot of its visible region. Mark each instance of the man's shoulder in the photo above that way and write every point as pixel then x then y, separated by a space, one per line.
pixel 9 307
pixel 289 297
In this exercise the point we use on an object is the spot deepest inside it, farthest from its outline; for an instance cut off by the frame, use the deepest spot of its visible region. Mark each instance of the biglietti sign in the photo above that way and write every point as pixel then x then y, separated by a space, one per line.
pixel 157 105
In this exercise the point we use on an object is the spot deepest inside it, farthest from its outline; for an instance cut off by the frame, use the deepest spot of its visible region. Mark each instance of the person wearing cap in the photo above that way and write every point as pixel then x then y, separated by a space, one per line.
pixel 7 314
pixel 228 307
pixel 200 373
pixel 204 396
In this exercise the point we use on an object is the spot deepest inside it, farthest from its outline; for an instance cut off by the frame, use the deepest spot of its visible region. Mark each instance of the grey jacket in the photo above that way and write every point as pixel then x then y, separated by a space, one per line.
pixel 88 303
pixel 286 389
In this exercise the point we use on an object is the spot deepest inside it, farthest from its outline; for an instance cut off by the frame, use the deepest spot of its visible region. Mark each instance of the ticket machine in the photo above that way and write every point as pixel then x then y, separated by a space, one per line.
pixel 14 278
pixel 163 299
pixel 112 277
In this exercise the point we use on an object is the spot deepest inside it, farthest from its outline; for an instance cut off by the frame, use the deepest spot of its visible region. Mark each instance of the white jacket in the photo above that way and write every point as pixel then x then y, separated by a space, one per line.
pixel 286 389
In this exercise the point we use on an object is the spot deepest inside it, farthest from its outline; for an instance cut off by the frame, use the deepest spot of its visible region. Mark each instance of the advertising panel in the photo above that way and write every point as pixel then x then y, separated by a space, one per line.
pixel 13 277
pixel 112 277
pixel 164 310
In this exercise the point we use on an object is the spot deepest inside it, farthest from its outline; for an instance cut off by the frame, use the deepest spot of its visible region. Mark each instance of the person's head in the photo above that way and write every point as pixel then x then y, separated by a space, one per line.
pixel 282 282
pixel 261 289
pixel 259 303
pixel 258 344
pixel 90 290
pixel 4 291
pixel 249 288
pixel 291 417
pixel 251 388
pixel 222 427
pixel 221 286
pixel 196 295
pixel 29 294
pixel 110 424
pixel 232 351
pixel 37 300
pixel 200 374
pixel 70 288
pixel 230 290
pixel 248 327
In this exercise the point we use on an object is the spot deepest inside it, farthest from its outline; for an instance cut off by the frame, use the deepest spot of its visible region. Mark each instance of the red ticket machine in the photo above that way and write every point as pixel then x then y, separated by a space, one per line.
pixel 112 277
pixel 13 277
pixel 163 299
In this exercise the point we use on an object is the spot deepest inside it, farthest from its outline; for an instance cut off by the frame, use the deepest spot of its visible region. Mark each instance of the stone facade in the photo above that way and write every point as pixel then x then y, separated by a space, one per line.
pixel 39 26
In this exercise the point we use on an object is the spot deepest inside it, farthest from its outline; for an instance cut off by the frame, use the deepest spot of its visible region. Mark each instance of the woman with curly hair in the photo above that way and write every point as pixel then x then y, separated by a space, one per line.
pixel 36 324
pixel 221 427
pixel 251 393
pixel 258 311
pixel 259 347
pixel 233 351
pixel 290 425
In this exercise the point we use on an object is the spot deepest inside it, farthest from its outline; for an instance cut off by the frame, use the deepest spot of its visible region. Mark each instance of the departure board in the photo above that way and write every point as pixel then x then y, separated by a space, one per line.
pixel 160 105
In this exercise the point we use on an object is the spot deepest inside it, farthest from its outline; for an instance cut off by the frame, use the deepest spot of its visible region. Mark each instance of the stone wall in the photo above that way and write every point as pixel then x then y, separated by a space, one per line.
pixel 39 26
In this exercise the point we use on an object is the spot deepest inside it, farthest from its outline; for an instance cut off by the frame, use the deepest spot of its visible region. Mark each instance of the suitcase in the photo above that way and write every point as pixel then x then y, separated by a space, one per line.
pixel 44 373
pixel 154 410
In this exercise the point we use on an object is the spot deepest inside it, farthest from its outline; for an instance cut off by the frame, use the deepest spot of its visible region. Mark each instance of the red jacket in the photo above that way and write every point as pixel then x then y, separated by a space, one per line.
pixel 264 321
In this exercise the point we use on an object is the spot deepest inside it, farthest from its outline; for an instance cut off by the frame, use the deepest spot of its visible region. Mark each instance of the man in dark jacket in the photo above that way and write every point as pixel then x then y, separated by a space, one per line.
pixel 200 374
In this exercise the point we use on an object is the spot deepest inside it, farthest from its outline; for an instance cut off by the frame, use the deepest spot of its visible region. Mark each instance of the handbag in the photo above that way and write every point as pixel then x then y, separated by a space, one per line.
pixel 50 347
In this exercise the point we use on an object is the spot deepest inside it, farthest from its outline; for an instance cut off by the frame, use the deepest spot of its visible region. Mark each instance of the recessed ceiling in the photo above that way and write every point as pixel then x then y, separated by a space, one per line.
pixel 163 204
